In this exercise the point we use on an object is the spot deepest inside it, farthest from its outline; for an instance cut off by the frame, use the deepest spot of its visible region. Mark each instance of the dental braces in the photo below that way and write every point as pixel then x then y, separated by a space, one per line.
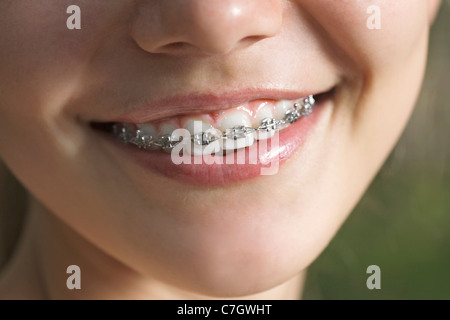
pixel 127 135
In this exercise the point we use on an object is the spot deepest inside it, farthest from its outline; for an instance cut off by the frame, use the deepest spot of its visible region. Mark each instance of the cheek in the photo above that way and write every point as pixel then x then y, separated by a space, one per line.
pixel 388 64
pixel 42 64
pixel 402 24
pixel 37 61
pixel 39 55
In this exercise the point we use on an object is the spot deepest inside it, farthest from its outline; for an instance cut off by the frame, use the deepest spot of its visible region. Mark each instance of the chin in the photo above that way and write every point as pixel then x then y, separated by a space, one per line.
pixel 227 258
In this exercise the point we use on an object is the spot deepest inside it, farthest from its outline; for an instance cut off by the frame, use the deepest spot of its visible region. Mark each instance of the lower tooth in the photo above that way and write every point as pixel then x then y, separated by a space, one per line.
pixel 214 147
pixel 265 135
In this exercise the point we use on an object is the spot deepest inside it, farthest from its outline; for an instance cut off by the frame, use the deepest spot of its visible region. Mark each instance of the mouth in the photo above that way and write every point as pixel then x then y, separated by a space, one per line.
pixel 221 147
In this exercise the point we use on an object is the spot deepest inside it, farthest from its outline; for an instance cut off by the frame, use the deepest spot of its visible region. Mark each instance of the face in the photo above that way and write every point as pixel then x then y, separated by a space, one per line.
pixel 214 230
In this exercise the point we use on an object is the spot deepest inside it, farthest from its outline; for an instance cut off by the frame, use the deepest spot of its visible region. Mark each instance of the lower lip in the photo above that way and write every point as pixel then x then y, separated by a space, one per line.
pixel 207 175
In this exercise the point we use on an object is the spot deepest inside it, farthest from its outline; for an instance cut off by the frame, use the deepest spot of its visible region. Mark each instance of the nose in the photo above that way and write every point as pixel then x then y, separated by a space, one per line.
pixel 206 26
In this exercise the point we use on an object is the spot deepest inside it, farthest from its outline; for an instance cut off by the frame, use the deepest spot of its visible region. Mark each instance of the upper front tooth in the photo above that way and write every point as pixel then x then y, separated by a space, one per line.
pixel 198 127
pixel 231 120
pixel 263 113
pixel 281 108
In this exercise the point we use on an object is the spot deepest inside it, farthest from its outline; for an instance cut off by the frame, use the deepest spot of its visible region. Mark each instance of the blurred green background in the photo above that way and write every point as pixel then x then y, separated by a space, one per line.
pixel 402 224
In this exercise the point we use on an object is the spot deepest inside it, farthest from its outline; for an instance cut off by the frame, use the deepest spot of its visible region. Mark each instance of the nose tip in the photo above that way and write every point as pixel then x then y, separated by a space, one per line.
pixel 206 26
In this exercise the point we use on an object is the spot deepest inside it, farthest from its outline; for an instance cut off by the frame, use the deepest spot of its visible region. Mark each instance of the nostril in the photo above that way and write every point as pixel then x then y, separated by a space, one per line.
pixel 205 27
pixel 176 46
pixel 252 39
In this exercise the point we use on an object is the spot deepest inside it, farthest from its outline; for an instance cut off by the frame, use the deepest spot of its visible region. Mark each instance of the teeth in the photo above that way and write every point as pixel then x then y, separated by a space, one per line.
pixel 236 119
pixel 263 113
pixel 196 126
pixel 281 108
pixel 237 129
pixel 166 128
pixel 148 129
pixel 202 130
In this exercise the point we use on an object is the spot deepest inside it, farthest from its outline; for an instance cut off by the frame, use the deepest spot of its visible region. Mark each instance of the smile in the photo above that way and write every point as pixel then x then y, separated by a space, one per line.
pixel 207 139
pixel 219 146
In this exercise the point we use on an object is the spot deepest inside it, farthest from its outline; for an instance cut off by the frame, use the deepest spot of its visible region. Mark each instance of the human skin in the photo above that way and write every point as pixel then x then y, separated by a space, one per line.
pixel 137 234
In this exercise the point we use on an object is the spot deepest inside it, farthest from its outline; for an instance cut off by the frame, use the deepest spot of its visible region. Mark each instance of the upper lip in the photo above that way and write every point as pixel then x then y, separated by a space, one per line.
pixel 196 103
